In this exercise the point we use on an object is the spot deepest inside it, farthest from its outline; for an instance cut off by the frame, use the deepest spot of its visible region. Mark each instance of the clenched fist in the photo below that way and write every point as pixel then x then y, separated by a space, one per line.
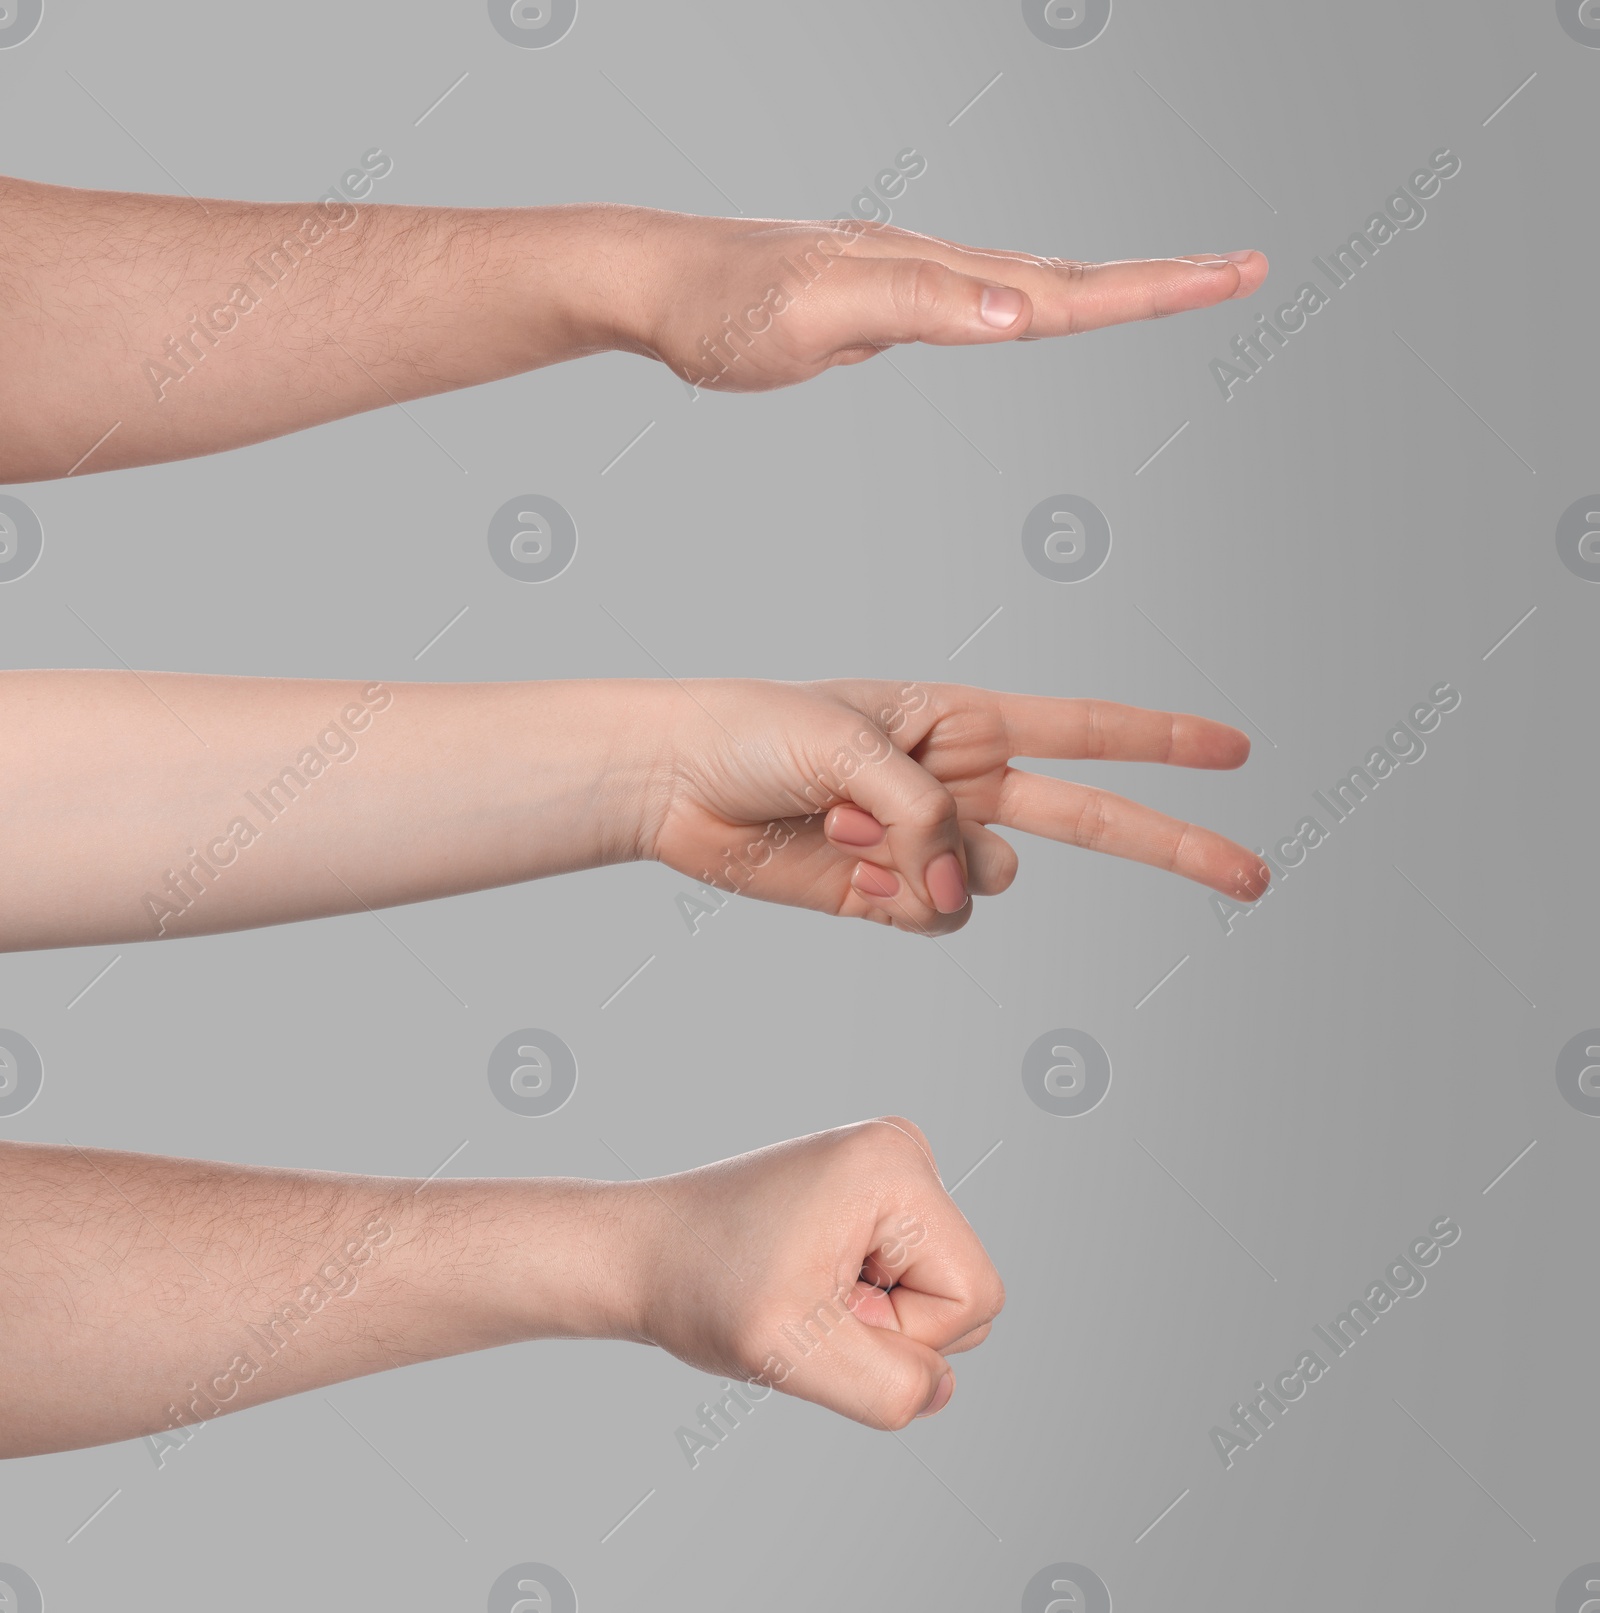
pixel 146 1296
pixel 835 1268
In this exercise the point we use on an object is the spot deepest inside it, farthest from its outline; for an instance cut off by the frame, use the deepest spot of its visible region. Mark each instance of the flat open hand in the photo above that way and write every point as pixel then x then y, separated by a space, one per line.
pixel 745 305
pixel 873 799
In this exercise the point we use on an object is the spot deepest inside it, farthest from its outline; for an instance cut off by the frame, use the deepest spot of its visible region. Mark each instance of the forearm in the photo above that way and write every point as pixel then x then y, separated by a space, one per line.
pixel 192 327
pixel 158 804
pixel 141 1294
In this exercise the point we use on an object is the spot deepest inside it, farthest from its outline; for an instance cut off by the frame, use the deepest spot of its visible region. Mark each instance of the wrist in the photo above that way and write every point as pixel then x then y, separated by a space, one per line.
pixel 515 1261
pixel 583 273
pixel 641 762
pixel 569 770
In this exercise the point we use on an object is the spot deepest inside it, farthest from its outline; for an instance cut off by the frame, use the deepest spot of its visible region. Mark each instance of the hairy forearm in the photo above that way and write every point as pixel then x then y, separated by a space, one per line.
pixel 183 327
pixel 140 1294
pixel 146 805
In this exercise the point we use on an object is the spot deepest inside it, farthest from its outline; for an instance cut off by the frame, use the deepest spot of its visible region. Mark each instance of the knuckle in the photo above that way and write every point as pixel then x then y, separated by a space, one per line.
pixel 895 1137
pixel 905 1128
pixel 919 285
pixel 1006 873
pixel 902 1398
pixel 857 227
pixel 993 1299
pixel 933 808
pixel 1180 846
pixel 1090 829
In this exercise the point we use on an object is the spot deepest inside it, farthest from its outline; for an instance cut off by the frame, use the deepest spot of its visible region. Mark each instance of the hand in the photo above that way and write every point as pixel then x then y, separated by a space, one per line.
pixel 834 1267
pixel 393 303
pixel 746 305
pixel 872 799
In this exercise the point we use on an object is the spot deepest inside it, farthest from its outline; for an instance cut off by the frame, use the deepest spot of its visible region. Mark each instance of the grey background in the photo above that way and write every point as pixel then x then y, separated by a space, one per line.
pixel 1361 1056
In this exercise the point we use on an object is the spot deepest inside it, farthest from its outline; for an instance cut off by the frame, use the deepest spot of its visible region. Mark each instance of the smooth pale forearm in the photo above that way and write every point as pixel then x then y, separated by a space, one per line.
pixel 194 326
pixel 140 1293
pixel 147 805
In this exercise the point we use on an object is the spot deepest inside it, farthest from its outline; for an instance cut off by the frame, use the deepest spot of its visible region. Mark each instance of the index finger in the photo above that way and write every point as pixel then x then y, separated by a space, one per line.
pixel 1045 727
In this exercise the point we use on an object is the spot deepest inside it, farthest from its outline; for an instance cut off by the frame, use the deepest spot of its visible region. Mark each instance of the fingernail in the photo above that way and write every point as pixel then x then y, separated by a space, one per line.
pixel 877 882
pixel 941 1396
pixel 1254 884
pixel 946 883
pixel 852 827
pixel 1238 257
pixel 1001 306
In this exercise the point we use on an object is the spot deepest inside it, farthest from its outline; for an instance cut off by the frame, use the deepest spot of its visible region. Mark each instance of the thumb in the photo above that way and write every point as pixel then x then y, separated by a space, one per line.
pixel 874 1375
pixel 878 302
